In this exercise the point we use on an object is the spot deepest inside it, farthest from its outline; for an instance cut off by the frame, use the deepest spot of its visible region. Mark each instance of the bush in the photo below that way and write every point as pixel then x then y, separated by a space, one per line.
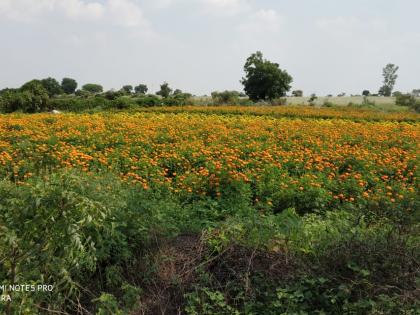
pixel 408 100
pixel 92 88
pixel 225 98
pixel 148 101
pixel 178 99
pixel 76 228
pixel 279 101
pixel 31 98
pixel 327 104
pixel 79 104
pixel 112 95
pixel 121 103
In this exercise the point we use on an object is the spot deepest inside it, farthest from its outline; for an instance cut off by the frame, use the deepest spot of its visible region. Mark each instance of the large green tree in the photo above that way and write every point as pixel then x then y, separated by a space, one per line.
pixel 30 98
pixel 389 73
pixel 165 90
pixel 127 89
pixel 52 86
pixel 69 85
pixel 264 80
pixel 141 89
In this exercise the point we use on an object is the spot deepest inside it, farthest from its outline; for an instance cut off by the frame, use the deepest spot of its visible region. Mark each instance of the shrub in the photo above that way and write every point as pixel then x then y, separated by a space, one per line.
pixel 92 88
pixel 327 104
pixel 177 99
pixel 148 101
pixel 112 95
pixel 408 100
pixel 31 98
pixel 297 93
pixel 121 103
pixel 225 98
pixel 279 101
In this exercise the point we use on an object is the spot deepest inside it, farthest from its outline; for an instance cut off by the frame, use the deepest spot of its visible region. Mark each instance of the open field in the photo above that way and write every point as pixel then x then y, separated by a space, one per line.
pixel 382 103
pixel 216 210
pixel 344 100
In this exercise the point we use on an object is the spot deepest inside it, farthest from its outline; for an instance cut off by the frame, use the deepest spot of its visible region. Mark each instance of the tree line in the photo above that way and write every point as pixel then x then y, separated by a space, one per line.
pixel 264 81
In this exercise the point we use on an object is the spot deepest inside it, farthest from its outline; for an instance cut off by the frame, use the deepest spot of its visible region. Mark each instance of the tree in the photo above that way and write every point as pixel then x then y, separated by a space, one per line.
pixel 408 100
pixel 177 92
pixel 52 86
pixel 297 93
pixel 312 99
pixel 141 89
pixel 416 92
pixel 92 88
pixel 112 94
pixel 366 93
pixel 68 85
pixel 389 73
pixel 165 90
pixel 264 80
pixel 127 89
pixel 30 98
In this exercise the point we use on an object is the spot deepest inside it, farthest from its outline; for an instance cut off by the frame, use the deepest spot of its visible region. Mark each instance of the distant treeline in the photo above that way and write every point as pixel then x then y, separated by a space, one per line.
pixel 48 94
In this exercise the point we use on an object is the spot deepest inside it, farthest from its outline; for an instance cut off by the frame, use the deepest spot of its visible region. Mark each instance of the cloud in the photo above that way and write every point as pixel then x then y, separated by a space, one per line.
pixel 78 9
pixel 226 7
pixel 163 4
pixel 124 13
pixel 350 26
pixel 262 21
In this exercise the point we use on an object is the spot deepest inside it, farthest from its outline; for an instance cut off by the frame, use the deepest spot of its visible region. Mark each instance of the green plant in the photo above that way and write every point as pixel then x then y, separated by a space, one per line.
pixel 264 80
pixel 207 302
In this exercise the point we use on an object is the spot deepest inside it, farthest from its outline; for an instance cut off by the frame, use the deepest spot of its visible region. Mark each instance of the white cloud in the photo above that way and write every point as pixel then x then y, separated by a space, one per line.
pixel 224 3
pixel 226 7
pixel 351 25
pixel 79 9
pixel 118 12
pixel 24 10
pixel 262 21
pixel 125 13
pixel 163 4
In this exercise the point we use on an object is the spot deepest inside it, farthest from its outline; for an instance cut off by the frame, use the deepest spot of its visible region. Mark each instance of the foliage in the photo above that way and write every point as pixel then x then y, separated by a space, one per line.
pixel 68 85
pixel 297 93
pixel 225 97
pixel 408 100
pixel 92 88
pixel 165 90
pixel 127 89
pixel 312 99
pixel 390 76
pixel 215 210
pixel 141 89
pixel 148 101
pixel 30 98
pixel 112 95
pixel 264 80
pixel 52 86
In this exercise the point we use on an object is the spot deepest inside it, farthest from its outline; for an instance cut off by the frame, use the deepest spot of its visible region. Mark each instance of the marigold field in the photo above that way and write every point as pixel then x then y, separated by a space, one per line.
pixel 319 201
pixel 328 162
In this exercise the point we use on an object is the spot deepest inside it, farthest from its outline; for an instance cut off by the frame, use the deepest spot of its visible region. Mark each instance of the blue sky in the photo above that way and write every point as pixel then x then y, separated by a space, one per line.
pixel 328 46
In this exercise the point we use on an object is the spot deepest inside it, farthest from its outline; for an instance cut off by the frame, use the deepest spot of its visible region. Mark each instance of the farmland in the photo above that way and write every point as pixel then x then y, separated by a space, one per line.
pixel 314 200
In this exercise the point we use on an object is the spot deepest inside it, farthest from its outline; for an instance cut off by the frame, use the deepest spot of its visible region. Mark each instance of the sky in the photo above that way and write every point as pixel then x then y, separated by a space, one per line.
pixel 200 46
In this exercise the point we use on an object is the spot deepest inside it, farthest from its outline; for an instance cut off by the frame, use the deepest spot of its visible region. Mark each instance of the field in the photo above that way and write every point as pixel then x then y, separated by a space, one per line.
pixel 211 210
pixel 381 101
